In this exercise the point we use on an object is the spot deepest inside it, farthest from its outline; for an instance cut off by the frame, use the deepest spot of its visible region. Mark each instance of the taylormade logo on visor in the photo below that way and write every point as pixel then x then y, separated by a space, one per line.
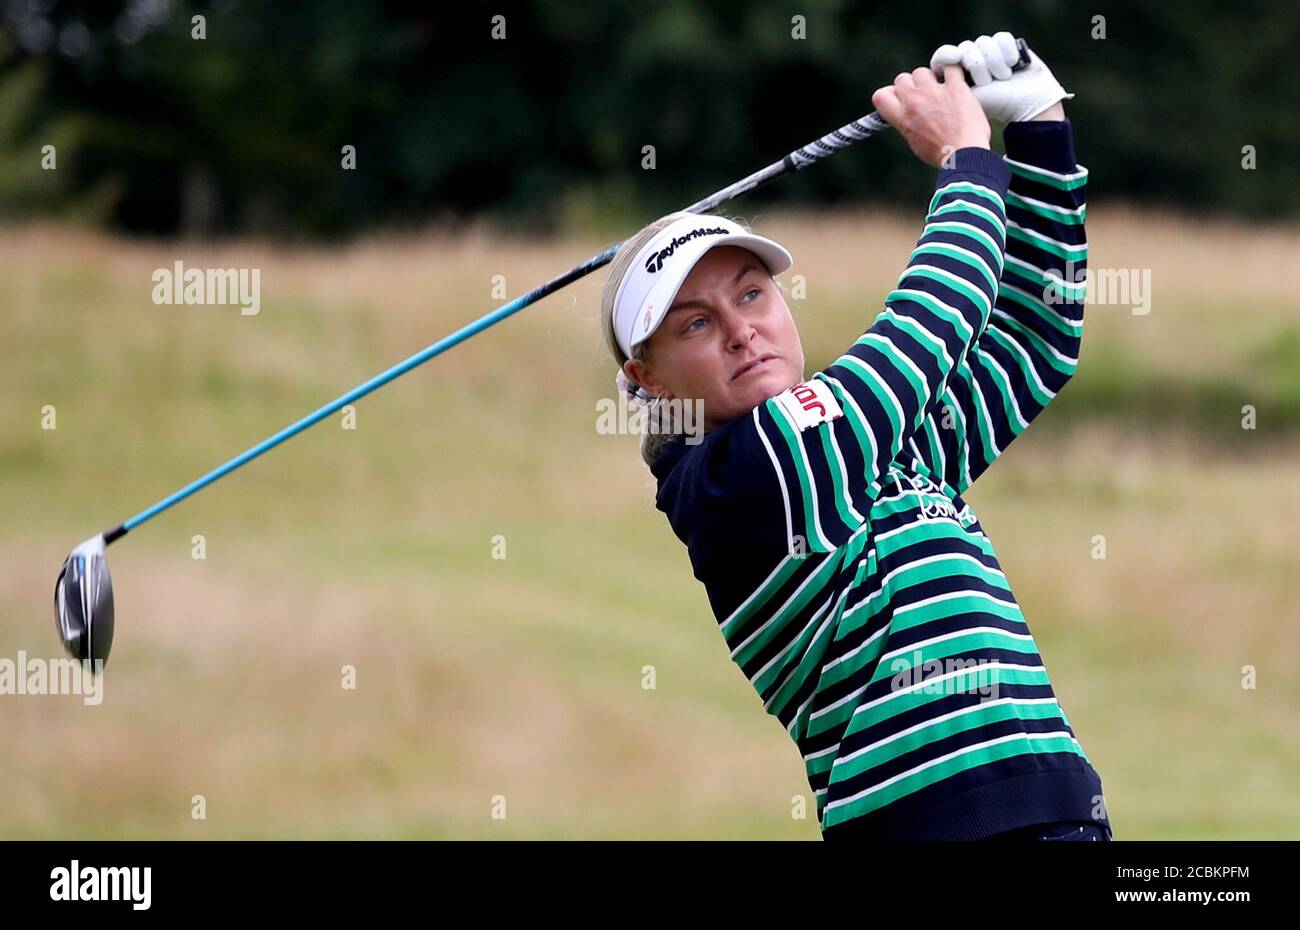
pixel 656 260
pixel 645 294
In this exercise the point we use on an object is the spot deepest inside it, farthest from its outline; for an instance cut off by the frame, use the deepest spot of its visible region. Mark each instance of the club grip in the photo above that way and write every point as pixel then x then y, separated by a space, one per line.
pixel 1021 64
pixel 1024 61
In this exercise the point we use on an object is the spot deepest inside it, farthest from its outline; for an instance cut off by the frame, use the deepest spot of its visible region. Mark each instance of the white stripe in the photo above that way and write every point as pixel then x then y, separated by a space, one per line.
pixel 776 614
pixel 847 396
pixel 817 635
pixel 899 320
pixel 929 682
pixel 976 208
pixel 1015 405
pixel 942 557
pixel 954 184
pixel 953 595
pixel 924 391
pixel 984 297
pixel 962 450
pixel 1075 326
pixel 1019 199
pixel 798 714
pixel 1017 348
pixel 952 755
pixel 958 318
pixel 956 248
pixel 778 410
pixel 933 431
pixel 844 480
pixel 982 407
pixel 1051 276
pixel 1034 169
pixel 918 458
pixel 1035 234
pixel 862 645
pixel 1057 353
pixel 780 476
pixel 999 251
pixel 949 716
pixel 938 679
pixel 853 363
pixel 925 723
pixel 815 618
pixel 747 601
pixel 956 634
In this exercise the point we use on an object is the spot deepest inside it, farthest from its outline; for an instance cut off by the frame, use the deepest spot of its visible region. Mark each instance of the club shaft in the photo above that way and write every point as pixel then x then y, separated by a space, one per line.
pixel 800 158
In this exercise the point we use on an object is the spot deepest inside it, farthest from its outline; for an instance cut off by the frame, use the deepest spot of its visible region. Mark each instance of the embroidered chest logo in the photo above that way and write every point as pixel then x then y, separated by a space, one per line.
pixel 810 403
pixel 933 509
pixel 935 504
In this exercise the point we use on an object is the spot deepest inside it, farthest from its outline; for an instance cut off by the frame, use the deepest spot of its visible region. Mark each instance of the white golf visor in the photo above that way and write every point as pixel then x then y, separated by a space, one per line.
pixel 655 275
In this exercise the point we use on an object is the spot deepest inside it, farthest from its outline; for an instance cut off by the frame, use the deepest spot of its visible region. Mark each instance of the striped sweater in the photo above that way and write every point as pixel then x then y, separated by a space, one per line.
pixel 853 585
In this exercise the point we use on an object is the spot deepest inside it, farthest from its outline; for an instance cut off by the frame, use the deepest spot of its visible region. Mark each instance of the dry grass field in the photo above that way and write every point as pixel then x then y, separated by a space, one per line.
pixel 521 677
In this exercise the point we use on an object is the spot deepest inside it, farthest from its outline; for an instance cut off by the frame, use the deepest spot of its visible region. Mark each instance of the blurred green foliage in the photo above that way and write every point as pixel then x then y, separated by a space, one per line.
pixel 242 131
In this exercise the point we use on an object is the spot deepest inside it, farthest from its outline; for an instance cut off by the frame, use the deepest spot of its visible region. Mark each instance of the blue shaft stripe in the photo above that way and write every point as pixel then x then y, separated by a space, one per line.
pixel 377 381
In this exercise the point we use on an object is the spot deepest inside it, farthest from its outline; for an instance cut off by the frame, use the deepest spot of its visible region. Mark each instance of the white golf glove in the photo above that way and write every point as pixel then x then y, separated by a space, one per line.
pixel 1007 96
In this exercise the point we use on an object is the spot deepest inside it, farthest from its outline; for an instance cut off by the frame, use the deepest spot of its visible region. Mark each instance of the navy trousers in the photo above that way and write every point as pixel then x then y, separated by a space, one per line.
pixel 1074 831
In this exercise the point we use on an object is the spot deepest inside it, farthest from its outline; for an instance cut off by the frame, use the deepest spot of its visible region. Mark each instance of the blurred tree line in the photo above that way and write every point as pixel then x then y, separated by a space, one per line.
pixel 157 131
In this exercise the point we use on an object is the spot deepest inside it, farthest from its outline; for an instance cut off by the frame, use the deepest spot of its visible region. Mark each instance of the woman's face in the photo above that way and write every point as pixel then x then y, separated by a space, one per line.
pixel 728 339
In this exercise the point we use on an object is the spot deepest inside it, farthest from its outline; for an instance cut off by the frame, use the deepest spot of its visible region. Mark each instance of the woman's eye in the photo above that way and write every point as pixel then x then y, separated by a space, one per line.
pixel 691 327
pixel 753 290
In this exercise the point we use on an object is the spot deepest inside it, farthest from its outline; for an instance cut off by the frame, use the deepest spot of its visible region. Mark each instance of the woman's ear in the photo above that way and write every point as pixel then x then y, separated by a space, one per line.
pixel 643 374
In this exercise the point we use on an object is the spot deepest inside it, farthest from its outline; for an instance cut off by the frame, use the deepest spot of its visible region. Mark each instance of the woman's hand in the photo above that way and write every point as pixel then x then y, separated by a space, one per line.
pixel 935 118
pixel 1007 96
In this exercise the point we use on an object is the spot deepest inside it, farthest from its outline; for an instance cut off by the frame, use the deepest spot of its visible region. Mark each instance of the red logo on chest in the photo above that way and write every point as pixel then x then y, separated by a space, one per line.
pixel 807 398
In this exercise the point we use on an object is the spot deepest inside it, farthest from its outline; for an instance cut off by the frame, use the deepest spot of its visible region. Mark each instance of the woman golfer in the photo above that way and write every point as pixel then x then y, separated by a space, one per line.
pixel 854 586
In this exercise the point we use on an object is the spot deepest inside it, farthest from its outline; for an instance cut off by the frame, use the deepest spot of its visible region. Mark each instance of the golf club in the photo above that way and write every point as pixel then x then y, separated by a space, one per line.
pixel 83 593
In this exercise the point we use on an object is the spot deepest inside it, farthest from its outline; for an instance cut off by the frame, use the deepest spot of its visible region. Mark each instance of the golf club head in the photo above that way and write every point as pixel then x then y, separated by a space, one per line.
pixel 83 602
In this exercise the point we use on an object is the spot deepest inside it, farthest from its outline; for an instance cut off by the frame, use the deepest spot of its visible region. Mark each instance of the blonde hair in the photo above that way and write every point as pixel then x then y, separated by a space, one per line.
pixel 658 429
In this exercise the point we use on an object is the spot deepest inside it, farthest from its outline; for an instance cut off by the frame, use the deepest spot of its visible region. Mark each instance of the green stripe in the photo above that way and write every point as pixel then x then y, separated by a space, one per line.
pixel 860 370
pixel 965 331
pixel 1005 391
pixel 861 430
pixel 965 206
pixel 1043 311
pixel 885 345
pixel 1025 171
pixel 951 567
pixel 1027 373
pixel 943 248
pixel 811 537
pixel 839 479
pixel 901 702
pixel 1022 269
pixel 931 439
pixel 1075 252
pixel 974 234
pixel 1060 215
pixel 981 300
pixel 936 773
pixel 965 187
pixel 908 618
pixel 984 716
pixel 956 449
pixel 776 625
pixel 929 530
pixel 845 556
pixel 765 593
pixel 978 413
pixel 810 659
